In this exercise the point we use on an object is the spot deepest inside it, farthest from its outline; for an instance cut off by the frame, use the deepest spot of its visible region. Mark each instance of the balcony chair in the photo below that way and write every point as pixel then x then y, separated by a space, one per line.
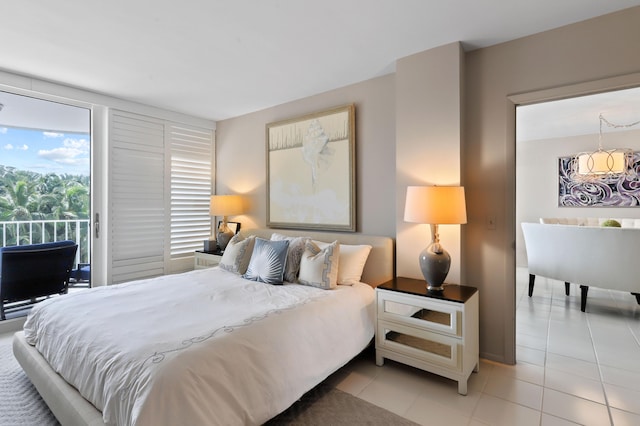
pixel 82 274
pixel 37 270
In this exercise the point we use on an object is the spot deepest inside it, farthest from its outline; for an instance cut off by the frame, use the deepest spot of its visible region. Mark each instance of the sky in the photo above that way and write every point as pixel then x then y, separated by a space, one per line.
pixel 45 152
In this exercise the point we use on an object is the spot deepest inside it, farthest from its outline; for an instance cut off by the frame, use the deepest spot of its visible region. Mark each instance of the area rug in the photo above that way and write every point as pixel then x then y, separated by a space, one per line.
pixel 325 405
pixel 21 405
pixel 20 402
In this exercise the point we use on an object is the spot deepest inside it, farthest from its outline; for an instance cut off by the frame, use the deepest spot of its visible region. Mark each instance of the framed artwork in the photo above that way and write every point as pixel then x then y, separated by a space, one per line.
pixel 234 226
pixel 311 171
pixel 621 192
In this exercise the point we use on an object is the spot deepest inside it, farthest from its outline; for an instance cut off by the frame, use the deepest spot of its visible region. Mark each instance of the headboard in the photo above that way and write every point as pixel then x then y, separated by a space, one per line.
pixel 379 266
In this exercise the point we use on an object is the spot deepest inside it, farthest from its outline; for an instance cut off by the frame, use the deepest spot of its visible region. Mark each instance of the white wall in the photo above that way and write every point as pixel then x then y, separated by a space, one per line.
pixel 537 180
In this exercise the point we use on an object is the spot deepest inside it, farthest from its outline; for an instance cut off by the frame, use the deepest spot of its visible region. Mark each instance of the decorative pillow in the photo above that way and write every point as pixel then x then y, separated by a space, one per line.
pixel 352 261
pixel 237 254
pixel 319 267
pixel 294 254
pixel 267 261
pixel 612 223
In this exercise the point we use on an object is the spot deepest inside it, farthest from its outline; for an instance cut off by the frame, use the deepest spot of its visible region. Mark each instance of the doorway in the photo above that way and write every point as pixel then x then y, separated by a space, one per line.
pixel 597 348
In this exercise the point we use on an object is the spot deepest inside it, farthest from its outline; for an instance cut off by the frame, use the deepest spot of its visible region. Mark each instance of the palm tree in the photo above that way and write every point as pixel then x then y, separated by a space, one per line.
pixel 20 195
pixel 77 198
pixel 28 196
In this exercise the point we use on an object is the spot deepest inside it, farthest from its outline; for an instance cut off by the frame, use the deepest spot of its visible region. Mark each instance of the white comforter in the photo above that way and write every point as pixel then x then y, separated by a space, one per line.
pixel 204 347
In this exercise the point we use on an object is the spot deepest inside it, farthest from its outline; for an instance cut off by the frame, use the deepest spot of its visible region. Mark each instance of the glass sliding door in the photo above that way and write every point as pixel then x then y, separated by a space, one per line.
pixel 45 175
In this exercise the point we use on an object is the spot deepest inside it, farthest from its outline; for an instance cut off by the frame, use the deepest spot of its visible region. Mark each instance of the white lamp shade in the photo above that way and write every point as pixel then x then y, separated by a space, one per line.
pixel 441 205
pixel 601 162
pixel 226 205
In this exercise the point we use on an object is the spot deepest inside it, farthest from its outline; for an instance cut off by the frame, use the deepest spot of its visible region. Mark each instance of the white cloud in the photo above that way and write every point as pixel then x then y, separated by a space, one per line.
pixel 52 135
pixel 73 152
pixel 81 144
pixel 3 130
pixel 10 146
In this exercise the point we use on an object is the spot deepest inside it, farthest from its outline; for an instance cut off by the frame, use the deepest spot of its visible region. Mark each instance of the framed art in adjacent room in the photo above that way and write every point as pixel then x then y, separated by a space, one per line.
pixel 311 171
pixel 623 191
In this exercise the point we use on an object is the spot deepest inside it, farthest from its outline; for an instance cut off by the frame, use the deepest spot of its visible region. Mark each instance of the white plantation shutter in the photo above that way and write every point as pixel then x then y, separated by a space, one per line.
pixel 160 185
pixel 191 158
pixel 137 207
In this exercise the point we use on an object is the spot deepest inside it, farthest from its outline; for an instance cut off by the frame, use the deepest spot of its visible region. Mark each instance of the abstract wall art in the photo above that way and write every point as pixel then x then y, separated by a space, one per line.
pixel 311 171
pixel 620 192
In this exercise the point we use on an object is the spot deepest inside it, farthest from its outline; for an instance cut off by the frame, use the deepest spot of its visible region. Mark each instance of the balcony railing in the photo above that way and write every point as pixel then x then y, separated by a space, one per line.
pixel 46 231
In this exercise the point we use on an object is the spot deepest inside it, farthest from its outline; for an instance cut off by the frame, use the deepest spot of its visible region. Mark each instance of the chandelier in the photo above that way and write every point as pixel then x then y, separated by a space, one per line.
pixel 604 165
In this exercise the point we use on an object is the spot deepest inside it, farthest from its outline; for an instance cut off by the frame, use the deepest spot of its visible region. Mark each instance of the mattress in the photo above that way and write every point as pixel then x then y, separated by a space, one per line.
pixel 203 347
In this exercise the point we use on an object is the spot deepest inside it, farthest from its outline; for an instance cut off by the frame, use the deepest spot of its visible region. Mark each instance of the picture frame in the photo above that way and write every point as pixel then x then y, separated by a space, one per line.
pixel 234 226
pixel 311 171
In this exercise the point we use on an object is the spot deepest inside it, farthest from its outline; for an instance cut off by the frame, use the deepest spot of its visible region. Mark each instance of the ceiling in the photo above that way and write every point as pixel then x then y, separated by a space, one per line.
pixel 579 115
pixel 218 59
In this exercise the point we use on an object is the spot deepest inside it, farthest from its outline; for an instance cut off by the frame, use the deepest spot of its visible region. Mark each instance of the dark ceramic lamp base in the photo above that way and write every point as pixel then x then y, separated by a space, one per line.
pixel 435 262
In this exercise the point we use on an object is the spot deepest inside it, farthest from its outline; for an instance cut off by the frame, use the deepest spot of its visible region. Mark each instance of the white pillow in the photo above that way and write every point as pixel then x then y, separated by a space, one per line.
pixel 237 254
pixel 294 254
pixel 319 267
pixel 352 261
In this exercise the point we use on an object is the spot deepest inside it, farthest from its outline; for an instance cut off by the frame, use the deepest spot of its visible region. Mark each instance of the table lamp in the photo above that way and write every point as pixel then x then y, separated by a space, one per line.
pixel 435 205
pixel 225 205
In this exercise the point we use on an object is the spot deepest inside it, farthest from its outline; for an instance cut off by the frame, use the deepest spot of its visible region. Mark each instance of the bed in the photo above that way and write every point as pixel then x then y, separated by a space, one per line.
pixel 203 347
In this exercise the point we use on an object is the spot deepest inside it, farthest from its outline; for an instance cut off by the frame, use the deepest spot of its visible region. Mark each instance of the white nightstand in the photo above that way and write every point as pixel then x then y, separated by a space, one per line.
pixel 433 331
pixel 203 259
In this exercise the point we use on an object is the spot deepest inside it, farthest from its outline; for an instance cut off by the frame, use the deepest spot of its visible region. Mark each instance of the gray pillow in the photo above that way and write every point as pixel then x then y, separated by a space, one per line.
pixel 268 261
pixel 294 254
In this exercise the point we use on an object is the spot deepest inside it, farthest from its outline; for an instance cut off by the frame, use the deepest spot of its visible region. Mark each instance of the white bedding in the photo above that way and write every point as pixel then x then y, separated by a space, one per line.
pixel 204 347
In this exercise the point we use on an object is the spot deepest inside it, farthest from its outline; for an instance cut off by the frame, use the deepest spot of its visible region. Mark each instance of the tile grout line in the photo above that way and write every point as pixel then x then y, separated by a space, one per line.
pixel 595 352
pixel 546 352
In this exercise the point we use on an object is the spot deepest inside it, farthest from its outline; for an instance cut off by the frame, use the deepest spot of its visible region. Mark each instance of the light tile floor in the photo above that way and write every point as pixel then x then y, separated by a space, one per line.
pixel 572 368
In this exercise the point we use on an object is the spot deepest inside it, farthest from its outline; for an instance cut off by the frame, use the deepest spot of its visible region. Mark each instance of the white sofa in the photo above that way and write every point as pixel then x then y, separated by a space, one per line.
pixel 587 255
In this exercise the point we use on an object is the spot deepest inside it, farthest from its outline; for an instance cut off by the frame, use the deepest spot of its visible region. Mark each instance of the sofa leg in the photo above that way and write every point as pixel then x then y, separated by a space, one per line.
pixel 637 295
pixel 566 288
pixel 583 297
pixel 532 280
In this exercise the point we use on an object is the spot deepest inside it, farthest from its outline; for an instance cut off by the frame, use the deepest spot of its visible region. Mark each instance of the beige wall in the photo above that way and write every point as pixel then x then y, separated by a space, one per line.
pixel 428 140
pixel 240 149
pixel 591 50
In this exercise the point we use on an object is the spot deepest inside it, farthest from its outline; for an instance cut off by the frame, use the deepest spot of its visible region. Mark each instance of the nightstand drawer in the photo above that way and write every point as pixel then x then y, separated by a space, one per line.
pixel 423 313
pixel 419 343
pixel 203 260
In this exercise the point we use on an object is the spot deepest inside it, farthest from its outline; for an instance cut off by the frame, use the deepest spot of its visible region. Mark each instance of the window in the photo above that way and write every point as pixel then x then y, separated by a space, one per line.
pixel 191 157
